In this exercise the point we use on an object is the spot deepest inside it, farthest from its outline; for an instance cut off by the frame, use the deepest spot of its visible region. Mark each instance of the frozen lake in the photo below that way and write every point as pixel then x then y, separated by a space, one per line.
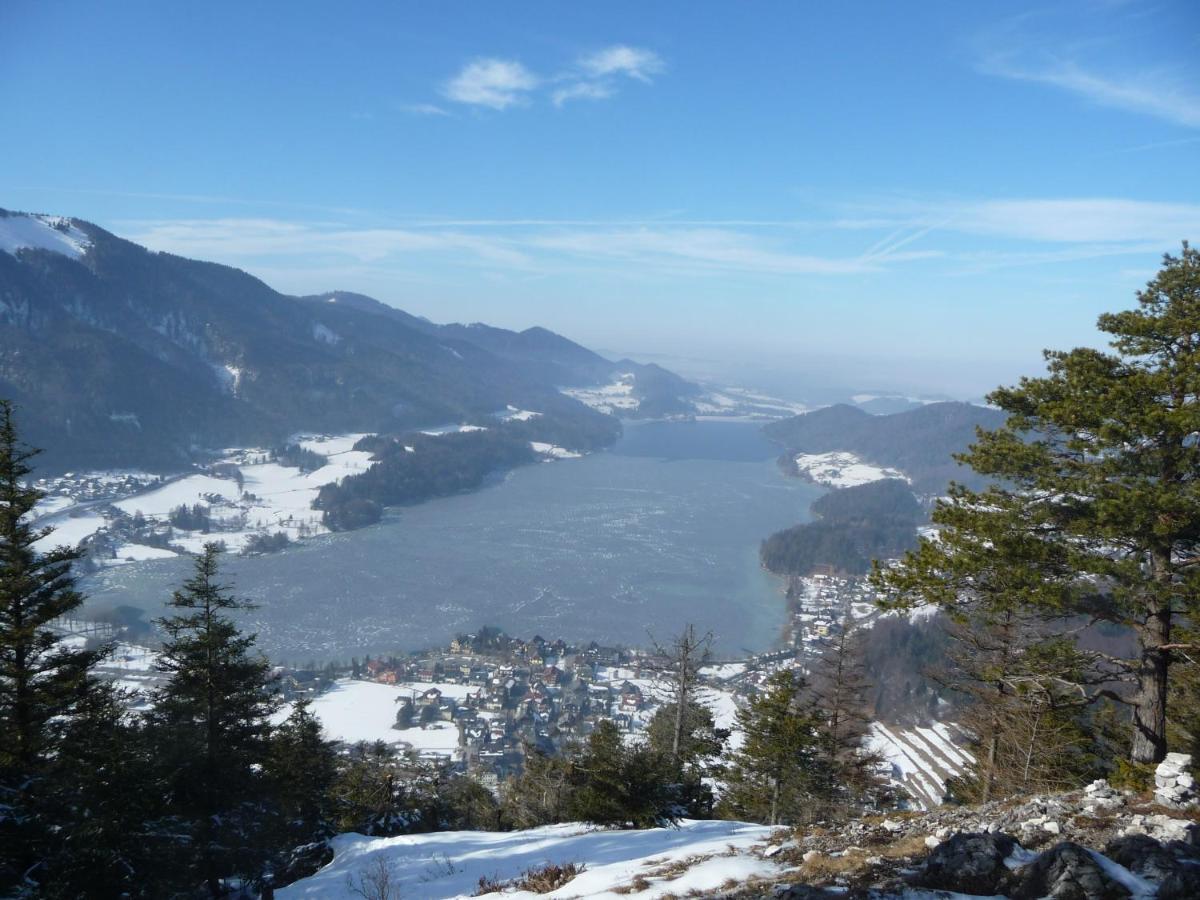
pixel 661 530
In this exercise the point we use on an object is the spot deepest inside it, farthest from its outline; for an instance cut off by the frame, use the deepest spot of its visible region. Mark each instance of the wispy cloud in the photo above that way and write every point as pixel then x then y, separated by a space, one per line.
pixel 582 90
pixel 954 235
pixel 681 249
pixel 502 83
pixel 1161 94
pixel 423 109
pixel 1054 49
pixel 595 75
pixel 495 83
pixel 620 59
pixel 1042 220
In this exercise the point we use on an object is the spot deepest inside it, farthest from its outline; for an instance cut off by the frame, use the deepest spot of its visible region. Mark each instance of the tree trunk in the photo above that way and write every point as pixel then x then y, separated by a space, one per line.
pixel 1150 703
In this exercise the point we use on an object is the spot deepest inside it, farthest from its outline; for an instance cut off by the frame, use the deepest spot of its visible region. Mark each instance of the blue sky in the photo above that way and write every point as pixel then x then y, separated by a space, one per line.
pixel 922 195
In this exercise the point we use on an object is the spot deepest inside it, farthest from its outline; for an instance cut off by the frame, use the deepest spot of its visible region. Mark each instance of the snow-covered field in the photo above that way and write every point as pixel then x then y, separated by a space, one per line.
pixel 70 530
pixel 353 711
pixel 695 857
pixel 272 498
pixel 734 402
pixel 553 452
pixel 841 469
pixel 610 398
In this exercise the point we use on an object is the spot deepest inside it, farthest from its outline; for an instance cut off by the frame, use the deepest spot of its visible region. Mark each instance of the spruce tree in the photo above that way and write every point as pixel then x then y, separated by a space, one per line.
pixel 301 768
pixel 1095 509
pixel 776 771
pixel 618 785
pixel 45 686
pixel 211 725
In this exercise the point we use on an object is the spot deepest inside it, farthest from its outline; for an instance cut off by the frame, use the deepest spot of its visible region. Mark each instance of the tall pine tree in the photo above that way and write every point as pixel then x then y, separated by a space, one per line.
pixel 1096 507
pixel 211 723
pixel 45 686
pixel 776 772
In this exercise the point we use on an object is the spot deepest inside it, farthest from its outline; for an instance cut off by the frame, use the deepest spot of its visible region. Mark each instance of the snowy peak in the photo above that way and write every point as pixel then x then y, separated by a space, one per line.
pixel 28 231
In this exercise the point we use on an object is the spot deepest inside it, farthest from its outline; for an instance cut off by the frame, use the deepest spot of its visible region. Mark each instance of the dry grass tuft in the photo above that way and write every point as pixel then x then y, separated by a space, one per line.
pixel 539 880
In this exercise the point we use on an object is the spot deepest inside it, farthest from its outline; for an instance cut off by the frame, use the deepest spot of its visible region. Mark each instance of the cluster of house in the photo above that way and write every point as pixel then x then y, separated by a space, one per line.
pixel 823 604
pixel 507 696
pixel 90 486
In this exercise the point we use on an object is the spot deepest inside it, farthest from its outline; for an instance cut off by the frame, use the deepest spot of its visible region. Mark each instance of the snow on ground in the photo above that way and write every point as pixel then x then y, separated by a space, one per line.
pixel 50 505
pixel 272 498
pixel 723 671
pixel 512 414
pixel 553 451
pixel 131 658
pixel 353 711
pixel 20 232
pixel 450 864
pixel 138 552
pixel 185 491
pixel 609 398
pixel 70 530
pixel 842 469
pixel 921 759
pixel 733 402
pixel 452 429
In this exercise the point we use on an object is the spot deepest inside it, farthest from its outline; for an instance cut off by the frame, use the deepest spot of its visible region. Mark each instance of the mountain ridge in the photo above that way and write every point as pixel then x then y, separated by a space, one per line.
pixel 121 356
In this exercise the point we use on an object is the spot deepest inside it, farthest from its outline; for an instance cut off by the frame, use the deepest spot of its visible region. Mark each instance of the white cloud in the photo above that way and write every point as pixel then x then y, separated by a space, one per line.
pixel 620 59
pixel 1093 54
pixel 1082 220
pixel 582 90
pixel 496 83
pixel 423 109
pixel 989 233
pixel 1159 94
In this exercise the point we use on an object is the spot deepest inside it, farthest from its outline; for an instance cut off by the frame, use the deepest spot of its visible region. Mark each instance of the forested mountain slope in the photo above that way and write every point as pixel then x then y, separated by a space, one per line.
pixel 919 442
pixel 120 356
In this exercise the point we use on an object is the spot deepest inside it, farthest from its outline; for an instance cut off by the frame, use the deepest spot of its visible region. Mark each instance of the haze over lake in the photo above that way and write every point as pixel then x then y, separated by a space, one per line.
pixel 661 530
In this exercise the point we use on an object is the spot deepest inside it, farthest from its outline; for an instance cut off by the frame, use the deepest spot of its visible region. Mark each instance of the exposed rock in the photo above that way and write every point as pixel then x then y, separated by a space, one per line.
pixel 1066 871
pixel 1174 867
pixel 967 863
pixel 1174 785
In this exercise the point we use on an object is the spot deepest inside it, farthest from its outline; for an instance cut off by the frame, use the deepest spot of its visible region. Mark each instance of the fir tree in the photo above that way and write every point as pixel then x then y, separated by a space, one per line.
pixel 777 771
pixel 1096 509
pixel 45 686
pixel 301 768
pixel 211 728
pixel 618 785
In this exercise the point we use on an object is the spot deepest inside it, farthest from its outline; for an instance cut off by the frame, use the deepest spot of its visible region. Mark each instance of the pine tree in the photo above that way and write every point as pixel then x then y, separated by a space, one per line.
pixel 540 794
pixel 1096 508
pixel 618 785
pixel 776 771
pixel 839 689
pixel 210 721
pixel 301 768
pixel 104 802
pixel 45 686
